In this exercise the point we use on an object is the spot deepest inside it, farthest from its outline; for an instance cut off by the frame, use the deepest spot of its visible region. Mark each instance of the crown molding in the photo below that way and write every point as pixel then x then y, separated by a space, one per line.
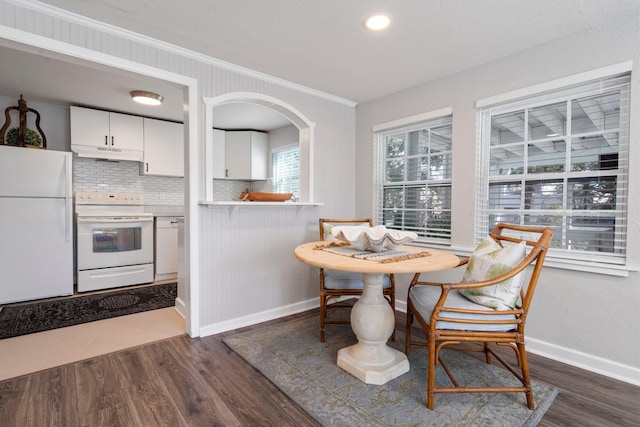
pixel 171 48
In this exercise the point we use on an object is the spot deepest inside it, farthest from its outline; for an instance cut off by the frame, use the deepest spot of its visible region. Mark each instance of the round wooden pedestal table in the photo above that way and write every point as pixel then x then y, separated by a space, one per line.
pixel 371 360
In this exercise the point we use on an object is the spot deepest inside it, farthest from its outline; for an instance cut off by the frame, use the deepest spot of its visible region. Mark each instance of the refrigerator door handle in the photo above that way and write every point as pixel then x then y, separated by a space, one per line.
pixel 68 199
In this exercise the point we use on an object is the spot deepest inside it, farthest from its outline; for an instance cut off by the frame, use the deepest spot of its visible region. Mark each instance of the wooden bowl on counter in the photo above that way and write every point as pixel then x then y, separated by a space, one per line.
pixel 256 196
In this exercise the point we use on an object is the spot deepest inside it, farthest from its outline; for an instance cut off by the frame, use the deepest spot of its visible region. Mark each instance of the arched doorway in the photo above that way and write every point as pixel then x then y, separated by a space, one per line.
pixel 304 125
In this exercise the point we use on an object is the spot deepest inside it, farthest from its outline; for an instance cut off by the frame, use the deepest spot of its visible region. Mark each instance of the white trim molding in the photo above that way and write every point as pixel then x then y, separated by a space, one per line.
pixel 264 316
pixel 585 361
pixel 305 127
pixel 417 118
pixel 622 67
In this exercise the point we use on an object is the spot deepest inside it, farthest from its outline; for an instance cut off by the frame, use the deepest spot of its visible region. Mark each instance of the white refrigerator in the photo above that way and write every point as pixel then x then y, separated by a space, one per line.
pixel 36 224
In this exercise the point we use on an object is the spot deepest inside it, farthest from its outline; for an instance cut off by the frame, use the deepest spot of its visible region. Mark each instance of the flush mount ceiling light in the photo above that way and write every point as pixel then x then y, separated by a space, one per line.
pixel 377 22
pixel 147 98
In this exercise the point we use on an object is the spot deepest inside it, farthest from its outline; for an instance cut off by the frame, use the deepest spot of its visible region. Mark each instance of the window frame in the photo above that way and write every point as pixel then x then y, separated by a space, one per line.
pixel 275 151
pixel 547 94
pixel 432 119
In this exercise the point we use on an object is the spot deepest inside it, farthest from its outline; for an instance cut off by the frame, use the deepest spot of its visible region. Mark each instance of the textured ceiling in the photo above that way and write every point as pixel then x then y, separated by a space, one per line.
pixel 324 46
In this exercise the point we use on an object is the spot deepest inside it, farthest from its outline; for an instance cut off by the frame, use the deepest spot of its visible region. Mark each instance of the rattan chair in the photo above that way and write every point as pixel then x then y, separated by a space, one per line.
pixel 450 319
pixel 337 284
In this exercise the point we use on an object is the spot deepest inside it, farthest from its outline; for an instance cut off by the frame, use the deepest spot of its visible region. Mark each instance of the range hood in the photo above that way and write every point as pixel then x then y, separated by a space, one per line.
pixel 107 153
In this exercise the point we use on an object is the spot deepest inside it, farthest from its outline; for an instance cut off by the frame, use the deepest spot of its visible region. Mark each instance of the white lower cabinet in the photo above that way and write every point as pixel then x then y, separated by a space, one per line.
pixel 166 248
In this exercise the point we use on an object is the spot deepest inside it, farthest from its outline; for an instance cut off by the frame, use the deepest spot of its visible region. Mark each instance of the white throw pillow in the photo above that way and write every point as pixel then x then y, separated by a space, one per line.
pixel 490 260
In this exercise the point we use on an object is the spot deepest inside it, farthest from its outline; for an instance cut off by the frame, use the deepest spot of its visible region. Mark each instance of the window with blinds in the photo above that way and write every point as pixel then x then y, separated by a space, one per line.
pixel 285 163
pixel 560 159
pixel 413 179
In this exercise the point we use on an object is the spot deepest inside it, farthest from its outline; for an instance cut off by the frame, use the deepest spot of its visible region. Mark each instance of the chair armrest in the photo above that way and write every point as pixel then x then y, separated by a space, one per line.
pixel 469 285
pixel 416 278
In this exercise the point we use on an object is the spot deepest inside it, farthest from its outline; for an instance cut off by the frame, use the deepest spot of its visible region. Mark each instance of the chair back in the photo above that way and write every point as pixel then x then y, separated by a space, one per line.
pixel 503 233
pixel 335 285
pixel 326 224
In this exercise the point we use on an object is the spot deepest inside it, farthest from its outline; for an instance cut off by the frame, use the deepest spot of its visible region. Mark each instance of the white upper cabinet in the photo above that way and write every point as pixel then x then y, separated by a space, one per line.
pixel 246 155
pixel 217 155
pixel 104 134
pixel 163 148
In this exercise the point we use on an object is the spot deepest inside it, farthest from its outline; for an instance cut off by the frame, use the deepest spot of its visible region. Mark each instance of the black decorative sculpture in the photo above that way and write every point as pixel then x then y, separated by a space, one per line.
pixel 23 131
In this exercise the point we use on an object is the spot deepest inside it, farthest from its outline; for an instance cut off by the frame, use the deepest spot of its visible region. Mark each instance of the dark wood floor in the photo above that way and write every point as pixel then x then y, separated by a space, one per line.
pixel 201 382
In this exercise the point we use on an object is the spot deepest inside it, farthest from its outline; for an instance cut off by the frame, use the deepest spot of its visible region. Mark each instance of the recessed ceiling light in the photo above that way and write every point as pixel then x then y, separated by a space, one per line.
pixel 377 22
pixel 146 98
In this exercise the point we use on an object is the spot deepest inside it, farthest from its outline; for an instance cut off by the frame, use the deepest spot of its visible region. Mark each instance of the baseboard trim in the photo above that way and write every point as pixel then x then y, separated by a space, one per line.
pixel 585 361
pixel 180 307
pixel 575 358
pixel 264 316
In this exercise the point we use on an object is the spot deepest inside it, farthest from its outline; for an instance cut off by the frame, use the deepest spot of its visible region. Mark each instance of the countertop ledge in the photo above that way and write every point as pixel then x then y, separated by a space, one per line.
pixel 258 204
pixel 165 210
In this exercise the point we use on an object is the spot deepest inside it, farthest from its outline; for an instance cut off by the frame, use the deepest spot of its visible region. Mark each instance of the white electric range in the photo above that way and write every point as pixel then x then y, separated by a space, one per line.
pixel 114 240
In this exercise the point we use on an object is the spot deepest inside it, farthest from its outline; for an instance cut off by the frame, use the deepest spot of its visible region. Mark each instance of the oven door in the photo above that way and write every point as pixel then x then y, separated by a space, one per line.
pixel 114 241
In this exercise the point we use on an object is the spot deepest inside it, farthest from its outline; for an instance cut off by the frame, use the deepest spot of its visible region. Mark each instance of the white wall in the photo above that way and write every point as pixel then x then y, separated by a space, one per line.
pixel 225 286
pixel 286 135
pixel 586 319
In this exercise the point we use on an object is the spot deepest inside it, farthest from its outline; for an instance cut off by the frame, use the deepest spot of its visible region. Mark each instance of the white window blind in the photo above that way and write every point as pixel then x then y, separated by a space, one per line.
pixel 285 163
pixel 560 159
pixel 412 178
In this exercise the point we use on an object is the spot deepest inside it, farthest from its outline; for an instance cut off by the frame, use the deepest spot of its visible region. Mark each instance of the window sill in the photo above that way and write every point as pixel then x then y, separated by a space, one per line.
pixel 554 262
pixel 588 267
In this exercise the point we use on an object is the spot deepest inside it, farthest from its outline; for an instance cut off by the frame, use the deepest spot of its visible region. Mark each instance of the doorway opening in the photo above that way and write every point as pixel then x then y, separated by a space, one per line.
pixel 304 125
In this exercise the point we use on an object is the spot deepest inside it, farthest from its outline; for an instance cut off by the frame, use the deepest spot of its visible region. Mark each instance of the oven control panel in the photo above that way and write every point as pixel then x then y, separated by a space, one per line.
pixel 94 198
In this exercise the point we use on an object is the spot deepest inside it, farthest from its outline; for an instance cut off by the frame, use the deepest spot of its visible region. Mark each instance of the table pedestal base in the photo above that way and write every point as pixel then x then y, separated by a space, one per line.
pixel 373 374
pixel 371 360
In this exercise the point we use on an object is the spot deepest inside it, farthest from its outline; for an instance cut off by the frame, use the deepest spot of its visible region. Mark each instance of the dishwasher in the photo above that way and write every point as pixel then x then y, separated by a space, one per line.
pixel 166 248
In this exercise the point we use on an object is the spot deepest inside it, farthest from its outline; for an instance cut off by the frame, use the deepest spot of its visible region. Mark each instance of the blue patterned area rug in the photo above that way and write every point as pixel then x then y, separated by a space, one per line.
pixel 294 359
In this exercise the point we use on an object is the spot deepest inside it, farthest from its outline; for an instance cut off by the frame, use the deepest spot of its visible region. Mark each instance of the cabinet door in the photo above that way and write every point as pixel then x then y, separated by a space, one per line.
pixel 246 155
pixel 166 247
pixel 259 155
pixel 126 132
pixel 218 154
pixel 238 155
pixel 89 127
pixel 163 148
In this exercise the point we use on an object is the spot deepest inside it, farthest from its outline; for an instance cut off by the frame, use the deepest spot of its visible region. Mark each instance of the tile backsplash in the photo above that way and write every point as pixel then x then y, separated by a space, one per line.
pixel 228 190
pixel 124 177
